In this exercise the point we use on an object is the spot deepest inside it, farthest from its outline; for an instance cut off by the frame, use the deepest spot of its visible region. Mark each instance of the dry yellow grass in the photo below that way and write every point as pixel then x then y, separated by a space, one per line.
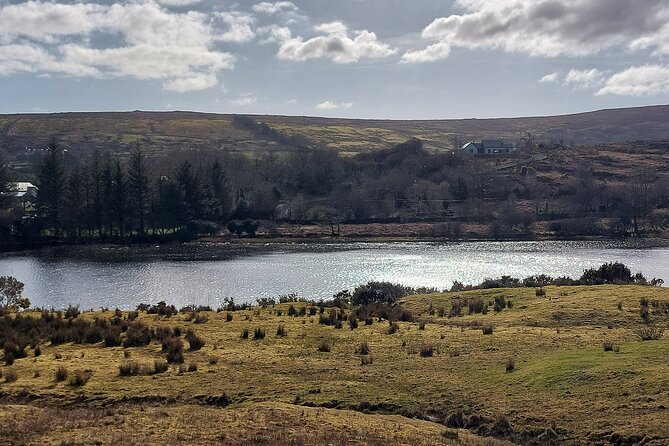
pixel 564 388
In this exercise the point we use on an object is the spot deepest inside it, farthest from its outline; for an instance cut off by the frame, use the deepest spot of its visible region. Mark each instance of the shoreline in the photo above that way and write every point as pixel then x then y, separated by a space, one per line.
pixel 226 248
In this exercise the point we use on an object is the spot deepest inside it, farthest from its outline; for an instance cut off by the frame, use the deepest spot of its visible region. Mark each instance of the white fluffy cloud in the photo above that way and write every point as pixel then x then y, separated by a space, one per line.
pixel 583 79
pixel 275 7
pixel 335 44
pixel 329 105
pixel 245 99
pixel 151 42
pixel 638 81
pixel 550 78
pixel 549 27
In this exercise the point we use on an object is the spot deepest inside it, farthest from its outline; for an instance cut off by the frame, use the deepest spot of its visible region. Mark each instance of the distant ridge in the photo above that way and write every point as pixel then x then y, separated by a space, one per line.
pixel 175 130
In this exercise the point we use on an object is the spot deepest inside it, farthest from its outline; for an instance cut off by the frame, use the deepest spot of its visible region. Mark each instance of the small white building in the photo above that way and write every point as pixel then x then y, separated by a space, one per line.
pixel 489 147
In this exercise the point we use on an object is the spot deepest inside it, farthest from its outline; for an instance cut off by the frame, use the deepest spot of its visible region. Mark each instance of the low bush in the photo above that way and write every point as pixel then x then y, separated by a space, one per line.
pixel 228 317
pixel 393 328
pixel 510 365
pixel 281 331
pixel 175 350
pixel 259 333
pixel 160 366
pixel 487 329
pixel 610 347
pixel 10 375
pixel 649 333
pixel 325 346
pixel 138 335
pixel 194 341
pixel 192 366
pixel 363 349
pixel 245 333
pixel 61 374
pixel 80 378
pixel 421 325
pixel 129 368
pixel 427 350
pixel 353 323
pixel 366 359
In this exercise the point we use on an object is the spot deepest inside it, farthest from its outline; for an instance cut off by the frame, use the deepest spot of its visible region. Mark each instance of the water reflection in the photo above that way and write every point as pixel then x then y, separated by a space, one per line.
pixel 315 274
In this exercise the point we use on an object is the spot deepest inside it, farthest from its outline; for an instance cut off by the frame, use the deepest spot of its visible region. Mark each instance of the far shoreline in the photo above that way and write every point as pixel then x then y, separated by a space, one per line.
pixel 227 248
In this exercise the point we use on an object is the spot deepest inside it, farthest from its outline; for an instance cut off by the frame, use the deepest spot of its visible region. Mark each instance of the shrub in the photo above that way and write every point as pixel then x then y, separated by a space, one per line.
pixel 427 350
pixel 378 292
pixel 162 309
pixel 129 368
pixel 72 312
pixel 281 331
pixel 192 366
pixel 175 350
pixel 11 375
pixel 80 378
pixel 213 360
pixel 353 323
pixel 500 304
pixel 259 333
pixel 201 318
pixel 363 349
pixel 160 366
pixel 366 359
pixel 649 333
pixel 112 337
pixel 228 317
pixel 510 365
pixel 488 329
pixel 456 309
pixel 339 325
pixel 61 374
pixel 313 310
pixel 245 333
pixel 610 347
pixel 325 346
pixel 292 311
pixel 194 341
pixel 393 328
pixel 476 305
pixel 540 292
pixel 421 325
pixel 138 335
pixel 38 350
pixel 369 321
pixel 132 315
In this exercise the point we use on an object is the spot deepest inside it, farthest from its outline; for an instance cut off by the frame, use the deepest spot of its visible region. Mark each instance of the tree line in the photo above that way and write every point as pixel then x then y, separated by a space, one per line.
pixel 139 194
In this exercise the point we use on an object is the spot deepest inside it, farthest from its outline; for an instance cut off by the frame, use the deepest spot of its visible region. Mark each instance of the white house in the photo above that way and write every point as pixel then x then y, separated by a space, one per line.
pixel 489 147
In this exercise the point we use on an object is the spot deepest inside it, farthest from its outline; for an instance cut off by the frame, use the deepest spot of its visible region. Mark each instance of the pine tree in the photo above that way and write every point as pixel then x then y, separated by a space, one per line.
pixel 139 187
pixel 221 196
pixel 51 188
pixel 120 199
pixel 6 188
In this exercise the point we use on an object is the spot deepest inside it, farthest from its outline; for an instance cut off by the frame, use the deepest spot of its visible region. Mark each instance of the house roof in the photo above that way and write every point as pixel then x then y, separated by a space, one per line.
pixel 491 144
pixel 22 188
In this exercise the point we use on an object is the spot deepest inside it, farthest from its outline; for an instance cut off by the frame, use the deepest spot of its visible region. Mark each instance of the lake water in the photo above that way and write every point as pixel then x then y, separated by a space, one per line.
pixel 315 272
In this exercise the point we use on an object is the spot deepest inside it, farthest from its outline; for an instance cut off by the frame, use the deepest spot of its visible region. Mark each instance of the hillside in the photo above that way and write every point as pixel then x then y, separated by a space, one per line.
pixel 569 368
pixel 189 130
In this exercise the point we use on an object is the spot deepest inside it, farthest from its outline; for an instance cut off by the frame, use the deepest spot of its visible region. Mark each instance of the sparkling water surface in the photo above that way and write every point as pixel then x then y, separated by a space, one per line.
pixel 312 273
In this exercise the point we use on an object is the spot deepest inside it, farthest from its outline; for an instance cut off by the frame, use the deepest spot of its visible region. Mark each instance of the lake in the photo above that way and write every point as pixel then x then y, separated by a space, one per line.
pixel 314 271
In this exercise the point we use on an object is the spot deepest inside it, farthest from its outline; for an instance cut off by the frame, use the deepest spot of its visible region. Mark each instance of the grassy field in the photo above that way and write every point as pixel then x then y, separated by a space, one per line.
pixel 541 377
pixel 183 131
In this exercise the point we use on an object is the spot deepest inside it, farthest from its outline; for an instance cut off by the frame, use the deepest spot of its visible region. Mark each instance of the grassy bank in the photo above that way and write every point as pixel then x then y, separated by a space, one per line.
pixel 533 373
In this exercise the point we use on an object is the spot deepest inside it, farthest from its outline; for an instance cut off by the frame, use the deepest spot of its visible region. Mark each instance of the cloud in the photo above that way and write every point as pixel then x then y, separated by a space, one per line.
pixel 550 78
pixel 329 105
pixel 292 101
pixel 548 28
pixel 239 27
pixel 274 8
pixel 638 81
pixel 148 41
pixel 336 45
pixel 583 79
pixel 245 99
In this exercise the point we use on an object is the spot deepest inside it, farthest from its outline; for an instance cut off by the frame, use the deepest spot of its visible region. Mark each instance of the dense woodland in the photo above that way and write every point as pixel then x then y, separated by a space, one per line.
pixel 138 195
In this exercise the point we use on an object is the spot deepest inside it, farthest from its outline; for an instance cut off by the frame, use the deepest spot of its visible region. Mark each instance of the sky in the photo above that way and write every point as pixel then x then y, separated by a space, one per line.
pixel 381 59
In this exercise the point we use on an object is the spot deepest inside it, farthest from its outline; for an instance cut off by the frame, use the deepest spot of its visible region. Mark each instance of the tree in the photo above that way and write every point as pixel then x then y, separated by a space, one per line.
pixel 221 195
pixel 51 187
pixel 458 189
pixel 10 293
pixel 189 187
pixel 139 187
pixel 120 198
pixel 74 204
pixel 6 189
